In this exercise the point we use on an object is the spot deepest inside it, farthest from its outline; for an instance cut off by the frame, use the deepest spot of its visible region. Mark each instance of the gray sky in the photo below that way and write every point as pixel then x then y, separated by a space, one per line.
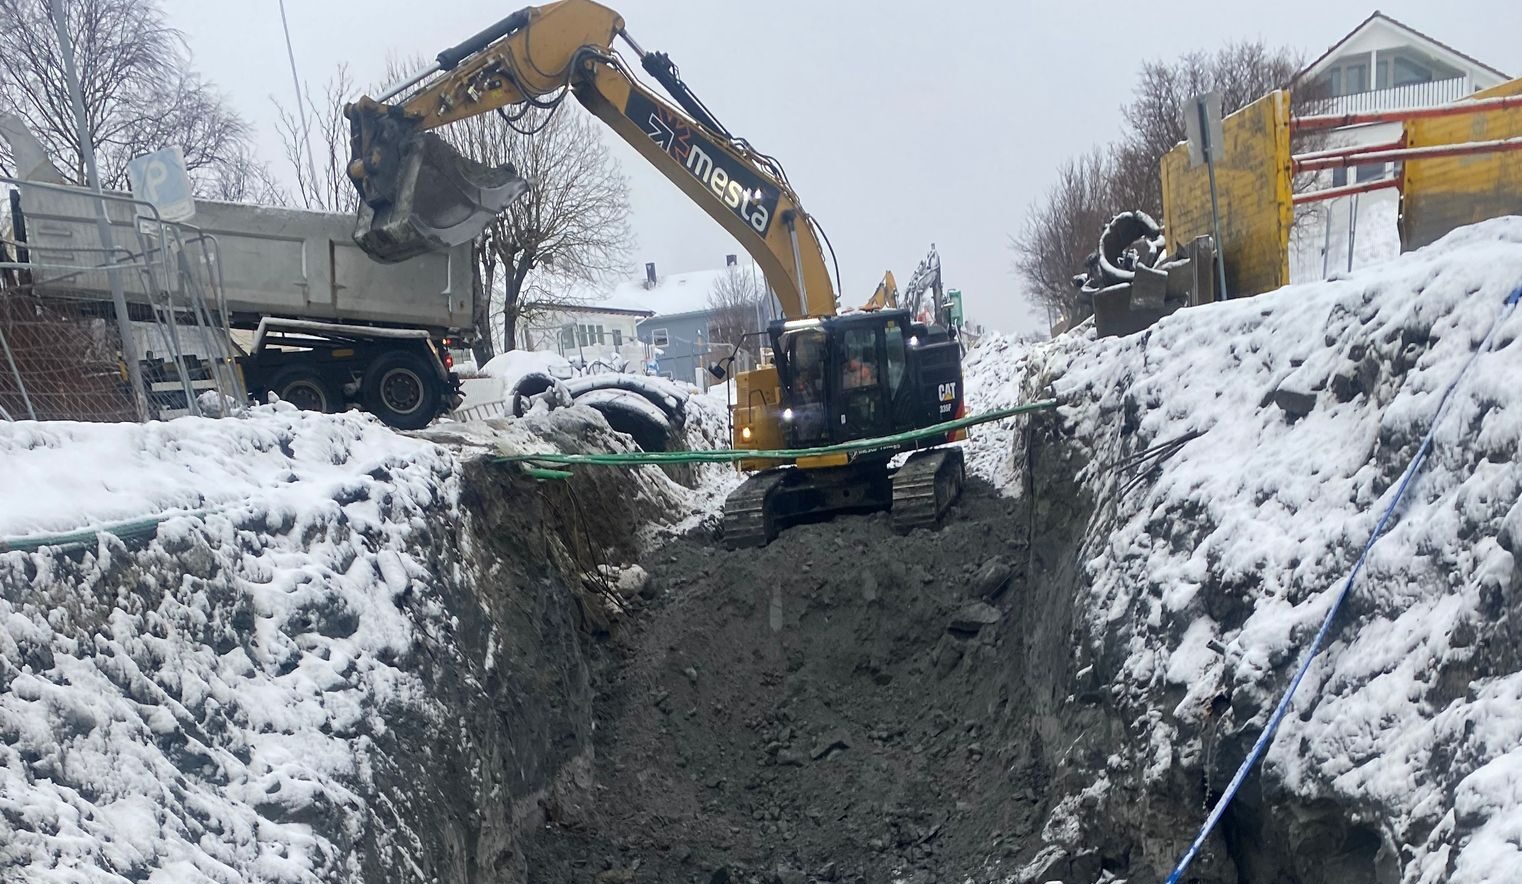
pixel 900 122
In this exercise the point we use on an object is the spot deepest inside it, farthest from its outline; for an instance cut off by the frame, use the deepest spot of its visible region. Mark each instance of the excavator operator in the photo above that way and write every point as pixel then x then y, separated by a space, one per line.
pixel 858 371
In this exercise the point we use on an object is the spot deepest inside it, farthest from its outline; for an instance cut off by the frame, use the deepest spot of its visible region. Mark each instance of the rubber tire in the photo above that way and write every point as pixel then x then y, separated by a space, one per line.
pixel 429 396
pixel 296 376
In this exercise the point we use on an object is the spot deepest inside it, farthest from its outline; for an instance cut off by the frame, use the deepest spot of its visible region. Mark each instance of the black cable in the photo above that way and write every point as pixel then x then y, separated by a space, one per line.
pixel 819 229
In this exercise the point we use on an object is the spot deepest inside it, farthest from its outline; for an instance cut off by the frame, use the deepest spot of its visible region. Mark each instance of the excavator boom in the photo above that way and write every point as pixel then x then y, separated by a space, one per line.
pixel 419 194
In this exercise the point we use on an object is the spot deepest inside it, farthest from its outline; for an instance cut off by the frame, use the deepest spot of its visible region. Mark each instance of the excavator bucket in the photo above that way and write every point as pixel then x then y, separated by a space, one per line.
pixel 435 199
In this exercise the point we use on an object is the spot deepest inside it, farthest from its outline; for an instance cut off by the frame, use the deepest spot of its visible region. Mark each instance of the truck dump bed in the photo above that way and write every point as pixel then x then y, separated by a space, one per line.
pixel 275 262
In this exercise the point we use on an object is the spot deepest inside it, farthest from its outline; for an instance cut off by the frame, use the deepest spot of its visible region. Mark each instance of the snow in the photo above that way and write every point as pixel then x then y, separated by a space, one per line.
pixel 188 712
pixel 511 367
pixel 214 704
pixel 993 371
pixel 1259 519
pixel 61 475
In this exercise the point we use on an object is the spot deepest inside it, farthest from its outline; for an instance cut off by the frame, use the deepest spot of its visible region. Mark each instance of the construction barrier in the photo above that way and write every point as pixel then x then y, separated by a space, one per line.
pixel 1253 186
pixel 1443 193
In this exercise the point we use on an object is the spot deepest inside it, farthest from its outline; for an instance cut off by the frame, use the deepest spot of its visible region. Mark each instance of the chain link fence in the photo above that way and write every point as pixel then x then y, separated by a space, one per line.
pixel 68 354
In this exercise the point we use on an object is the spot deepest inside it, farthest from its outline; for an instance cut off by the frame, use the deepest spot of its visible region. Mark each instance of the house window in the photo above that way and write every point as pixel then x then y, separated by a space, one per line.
pixel 567 338
pixel 601 338
pixel 618 338
pixel 1355 78
pixel 1339 177
pixel 1406 72
pixel 581 335
pixel 660 338
pixel 1370 172
pixel 1348 77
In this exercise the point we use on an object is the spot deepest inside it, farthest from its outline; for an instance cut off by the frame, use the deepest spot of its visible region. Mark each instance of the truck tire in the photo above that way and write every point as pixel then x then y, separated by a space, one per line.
pixel 400 388
pixel 307 390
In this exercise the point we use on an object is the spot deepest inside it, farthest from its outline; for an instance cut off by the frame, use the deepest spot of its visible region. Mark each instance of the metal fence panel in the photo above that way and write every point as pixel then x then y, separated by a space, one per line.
pixel 1253 183
pixel 62 346
pixel 1443 193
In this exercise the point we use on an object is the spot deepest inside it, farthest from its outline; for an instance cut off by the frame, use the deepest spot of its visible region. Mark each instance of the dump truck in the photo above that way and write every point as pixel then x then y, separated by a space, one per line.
pixel 309 316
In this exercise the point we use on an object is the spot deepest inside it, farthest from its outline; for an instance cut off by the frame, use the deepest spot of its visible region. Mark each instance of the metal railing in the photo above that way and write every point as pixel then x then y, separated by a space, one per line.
pixel 1394 98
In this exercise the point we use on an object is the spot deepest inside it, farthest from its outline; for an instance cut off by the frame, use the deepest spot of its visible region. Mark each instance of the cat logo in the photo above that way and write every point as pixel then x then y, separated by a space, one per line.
pixel 948 392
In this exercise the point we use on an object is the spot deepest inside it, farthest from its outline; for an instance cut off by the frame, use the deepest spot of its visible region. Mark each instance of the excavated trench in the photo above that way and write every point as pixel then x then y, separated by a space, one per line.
pixel 837 705
pixel 845 704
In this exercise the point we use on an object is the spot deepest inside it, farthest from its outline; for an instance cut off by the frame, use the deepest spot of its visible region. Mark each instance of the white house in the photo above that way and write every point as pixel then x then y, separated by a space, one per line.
pixel 600 329
pixel 657 324
pixel 1383 64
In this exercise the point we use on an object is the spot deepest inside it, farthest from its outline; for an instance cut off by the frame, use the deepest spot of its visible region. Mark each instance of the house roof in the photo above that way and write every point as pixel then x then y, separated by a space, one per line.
pixel 596 307
pixel 673 295
pixel 1378 16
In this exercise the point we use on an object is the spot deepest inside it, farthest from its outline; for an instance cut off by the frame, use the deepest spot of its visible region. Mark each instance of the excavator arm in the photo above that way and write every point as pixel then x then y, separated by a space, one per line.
pixel 886 295
pixel 418 194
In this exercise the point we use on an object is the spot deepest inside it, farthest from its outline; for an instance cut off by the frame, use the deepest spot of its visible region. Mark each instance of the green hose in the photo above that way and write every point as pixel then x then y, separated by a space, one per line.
pixel 730 455
pixel 86 538
pixel 144 528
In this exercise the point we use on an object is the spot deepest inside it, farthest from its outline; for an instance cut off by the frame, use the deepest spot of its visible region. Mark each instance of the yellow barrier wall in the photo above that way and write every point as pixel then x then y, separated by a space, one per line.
pixel 1441 194
pixel 1253 185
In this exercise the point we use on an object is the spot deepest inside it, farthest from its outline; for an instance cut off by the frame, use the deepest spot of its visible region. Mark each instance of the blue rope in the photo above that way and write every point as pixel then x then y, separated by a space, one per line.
pixel 1412 469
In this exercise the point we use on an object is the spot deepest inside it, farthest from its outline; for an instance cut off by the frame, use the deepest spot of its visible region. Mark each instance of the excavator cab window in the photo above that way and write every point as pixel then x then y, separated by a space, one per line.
pixel 893 337
pixel 901 398
pixel 806 352
pixel 861 395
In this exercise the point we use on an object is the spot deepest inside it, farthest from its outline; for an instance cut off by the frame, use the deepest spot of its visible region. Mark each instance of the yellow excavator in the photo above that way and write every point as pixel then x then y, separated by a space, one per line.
pixel 867 375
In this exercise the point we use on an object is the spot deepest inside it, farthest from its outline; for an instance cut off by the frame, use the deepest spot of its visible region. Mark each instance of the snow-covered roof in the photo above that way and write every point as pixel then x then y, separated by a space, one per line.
pixel 673 294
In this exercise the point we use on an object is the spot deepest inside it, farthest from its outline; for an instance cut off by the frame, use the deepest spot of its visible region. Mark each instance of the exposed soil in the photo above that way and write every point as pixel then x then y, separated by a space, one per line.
pixel 845 704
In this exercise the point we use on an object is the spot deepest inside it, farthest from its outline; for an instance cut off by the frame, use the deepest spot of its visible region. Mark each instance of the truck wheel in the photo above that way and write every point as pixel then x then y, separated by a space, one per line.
pixel 400 389
pixel 307 390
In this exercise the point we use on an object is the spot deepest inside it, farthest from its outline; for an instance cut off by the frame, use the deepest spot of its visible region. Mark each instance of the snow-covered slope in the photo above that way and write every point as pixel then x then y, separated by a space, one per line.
pixel 1198 585
pixel 992 373
pixel 197 710
pixel 347 655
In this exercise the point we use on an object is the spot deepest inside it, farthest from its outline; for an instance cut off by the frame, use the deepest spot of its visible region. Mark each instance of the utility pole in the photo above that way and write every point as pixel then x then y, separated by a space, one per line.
pixel 102 220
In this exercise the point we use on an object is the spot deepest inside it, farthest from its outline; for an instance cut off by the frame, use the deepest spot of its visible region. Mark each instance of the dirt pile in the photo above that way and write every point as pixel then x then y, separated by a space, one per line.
pixel 844 704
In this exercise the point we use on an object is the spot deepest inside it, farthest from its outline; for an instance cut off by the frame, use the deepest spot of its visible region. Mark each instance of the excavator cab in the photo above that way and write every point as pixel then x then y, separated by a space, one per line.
pixel 863 375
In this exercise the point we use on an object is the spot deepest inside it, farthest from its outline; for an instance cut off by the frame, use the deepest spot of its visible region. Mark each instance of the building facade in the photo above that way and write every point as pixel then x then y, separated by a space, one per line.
pixel 587 334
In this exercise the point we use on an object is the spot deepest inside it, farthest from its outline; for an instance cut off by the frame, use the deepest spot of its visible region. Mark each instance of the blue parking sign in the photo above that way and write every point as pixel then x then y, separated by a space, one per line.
pixel 160 178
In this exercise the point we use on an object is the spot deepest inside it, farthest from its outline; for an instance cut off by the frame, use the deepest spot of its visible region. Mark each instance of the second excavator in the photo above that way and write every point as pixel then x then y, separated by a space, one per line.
pixel 835 380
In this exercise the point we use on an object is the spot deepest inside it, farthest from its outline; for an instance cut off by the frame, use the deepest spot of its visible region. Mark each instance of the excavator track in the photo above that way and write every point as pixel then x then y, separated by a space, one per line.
pixel 925 487
pixel 749 516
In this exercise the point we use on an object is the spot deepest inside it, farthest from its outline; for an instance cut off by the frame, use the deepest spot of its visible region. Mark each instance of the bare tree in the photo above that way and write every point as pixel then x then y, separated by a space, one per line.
pixel 1062 229
pixel 319 169
pixel 733 310
pixel 1064 226
pixel 570 230
pixel 244 178
pixel 140 93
